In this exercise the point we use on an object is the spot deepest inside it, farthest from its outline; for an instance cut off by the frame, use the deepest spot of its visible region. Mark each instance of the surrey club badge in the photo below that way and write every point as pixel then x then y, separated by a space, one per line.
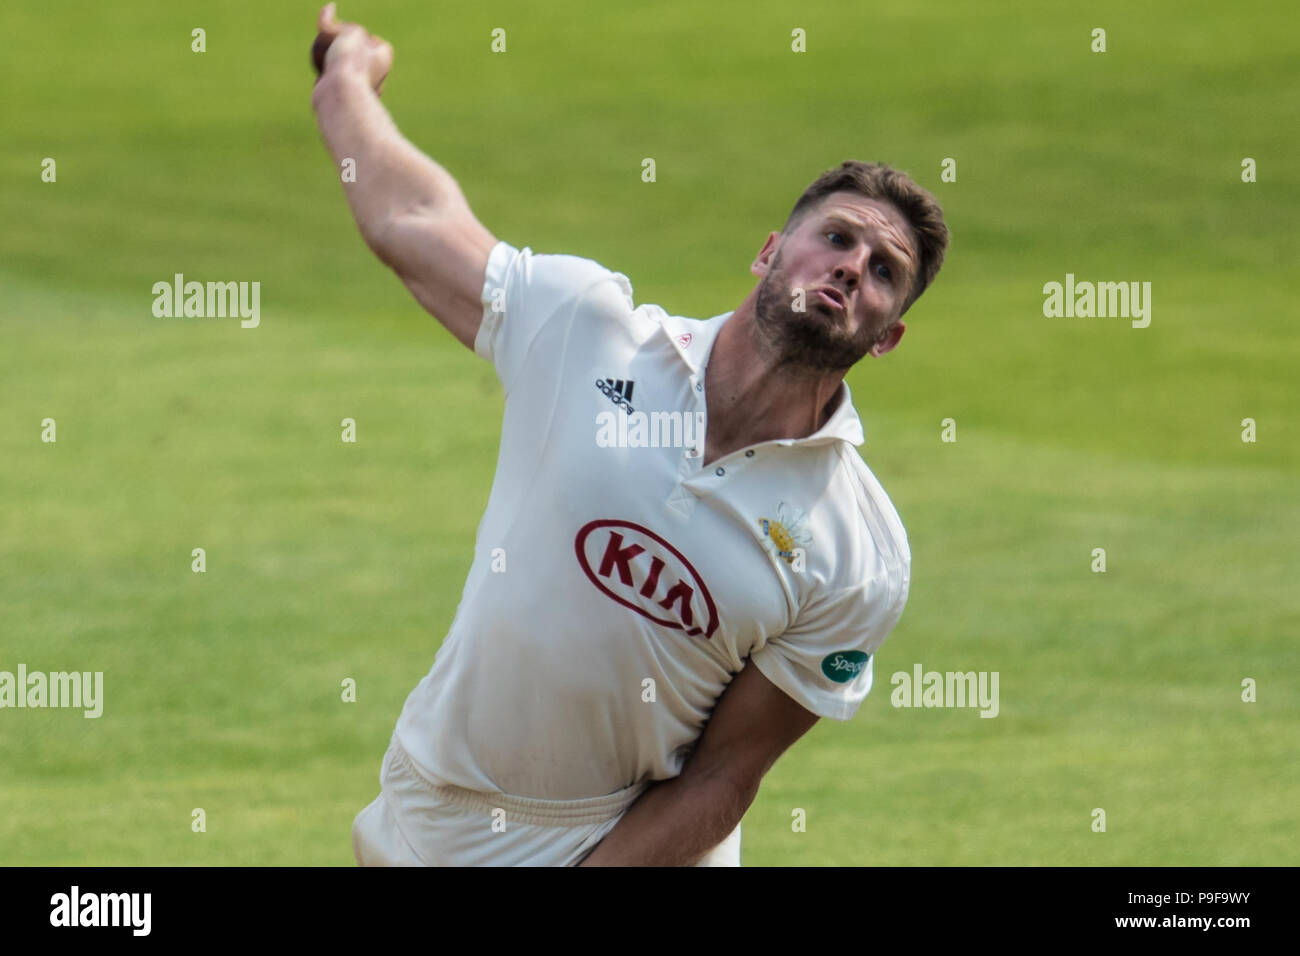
pixel 786 532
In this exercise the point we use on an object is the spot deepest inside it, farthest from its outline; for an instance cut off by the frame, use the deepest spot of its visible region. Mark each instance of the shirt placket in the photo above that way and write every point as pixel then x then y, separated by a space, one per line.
pixel 695 482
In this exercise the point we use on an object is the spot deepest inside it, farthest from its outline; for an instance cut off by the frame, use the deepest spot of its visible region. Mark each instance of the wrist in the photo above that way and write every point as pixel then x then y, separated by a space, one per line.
pixel 335 83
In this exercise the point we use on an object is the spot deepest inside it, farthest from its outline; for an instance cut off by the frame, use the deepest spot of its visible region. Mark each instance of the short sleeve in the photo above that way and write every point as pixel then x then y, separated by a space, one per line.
pixel 826 660
pixel 522 293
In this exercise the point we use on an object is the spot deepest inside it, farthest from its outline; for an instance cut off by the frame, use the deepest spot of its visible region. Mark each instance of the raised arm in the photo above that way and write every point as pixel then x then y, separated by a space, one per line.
pixel 409 209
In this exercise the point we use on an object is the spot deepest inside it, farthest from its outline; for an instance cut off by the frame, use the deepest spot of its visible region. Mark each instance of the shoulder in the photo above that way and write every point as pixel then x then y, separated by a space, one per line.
pixel 555 276
pixel 526 295
pixel 869 520
pixel 877 511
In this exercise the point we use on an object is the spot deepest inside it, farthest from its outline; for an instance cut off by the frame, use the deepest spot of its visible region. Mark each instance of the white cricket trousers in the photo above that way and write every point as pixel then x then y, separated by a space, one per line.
pixel 416 822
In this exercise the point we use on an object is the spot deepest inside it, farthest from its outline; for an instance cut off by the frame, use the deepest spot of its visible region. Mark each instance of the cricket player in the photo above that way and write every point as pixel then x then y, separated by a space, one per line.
pixel 684 561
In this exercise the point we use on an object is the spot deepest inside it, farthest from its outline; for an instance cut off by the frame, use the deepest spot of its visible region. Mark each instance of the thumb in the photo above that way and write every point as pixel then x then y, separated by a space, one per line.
pixel 326 22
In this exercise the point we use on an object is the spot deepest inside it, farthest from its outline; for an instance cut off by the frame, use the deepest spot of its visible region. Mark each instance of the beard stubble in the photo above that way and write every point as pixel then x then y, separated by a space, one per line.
pixel 806 344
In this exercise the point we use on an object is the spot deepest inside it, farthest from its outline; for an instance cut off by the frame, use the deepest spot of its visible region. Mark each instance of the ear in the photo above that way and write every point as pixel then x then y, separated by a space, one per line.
pixel 764 260
pixel 887 341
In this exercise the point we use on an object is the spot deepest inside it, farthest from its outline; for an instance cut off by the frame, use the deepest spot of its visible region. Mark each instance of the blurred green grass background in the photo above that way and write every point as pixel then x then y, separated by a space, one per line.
pixel 328 560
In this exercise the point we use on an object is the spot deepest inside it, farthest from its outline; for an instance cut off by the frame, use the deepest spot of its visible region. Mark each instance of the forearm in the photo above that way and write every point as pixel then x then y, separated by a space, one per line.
pixel 393 178
pixel 674 823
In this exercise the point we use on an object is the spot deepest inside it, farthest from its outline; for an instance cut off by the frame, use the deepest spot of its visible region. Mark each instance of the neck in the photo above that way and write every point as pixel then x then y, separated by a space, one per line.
pixel 754 395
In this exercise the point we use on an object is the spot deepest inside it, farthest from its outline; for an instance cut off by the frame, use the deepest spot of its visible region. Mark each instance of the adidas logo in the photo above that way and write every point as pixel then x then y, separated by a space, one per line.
pixel 618 391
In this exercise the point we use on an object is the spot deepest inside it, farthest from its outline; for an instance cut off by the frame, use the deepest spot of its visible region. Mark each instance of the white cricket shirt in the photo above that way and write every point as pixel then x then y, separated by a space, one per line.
pixel 622 560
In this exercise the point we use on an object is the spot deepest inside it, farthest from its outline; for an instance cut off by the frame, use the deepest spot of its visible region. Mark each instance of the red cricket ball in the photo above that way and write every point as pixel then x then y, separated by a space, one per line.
pixel 318 48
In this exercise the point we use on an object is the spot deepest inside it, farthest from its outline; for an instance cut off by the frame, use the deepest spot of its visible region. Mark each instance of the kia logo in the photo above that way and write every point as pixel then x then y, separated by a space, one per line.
pixel 642 571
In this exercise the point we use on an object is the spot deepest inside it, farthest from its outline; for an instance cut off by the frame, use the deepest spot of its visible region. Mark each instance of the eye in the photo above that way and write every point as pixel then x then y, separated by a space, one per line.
pixel 887 275
pixel 834 234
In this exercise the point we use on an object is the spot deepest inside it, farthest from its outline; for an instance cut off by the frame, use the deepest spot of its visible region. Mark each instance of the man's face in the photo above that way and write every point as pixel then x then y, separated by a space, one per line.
pixel 862 249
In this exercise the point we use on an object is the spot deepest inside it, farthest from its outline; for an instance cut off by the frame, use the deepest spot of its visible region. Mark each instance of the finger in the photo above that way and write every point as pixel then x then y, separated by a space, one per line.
pixel 327 22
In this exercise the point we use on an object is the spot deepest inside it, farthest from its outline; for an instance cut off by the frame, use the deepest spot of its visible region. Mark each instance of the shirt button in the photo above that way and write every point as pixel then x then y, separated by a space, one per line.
pixel 699 386
pixel 720 472
pixel 750 453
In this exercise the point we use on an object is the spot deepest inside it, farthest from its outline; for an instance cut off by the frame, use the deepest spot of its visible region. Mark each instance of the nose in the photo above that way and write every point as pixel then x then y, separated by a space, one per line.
pixel 849 270
pixel 847 278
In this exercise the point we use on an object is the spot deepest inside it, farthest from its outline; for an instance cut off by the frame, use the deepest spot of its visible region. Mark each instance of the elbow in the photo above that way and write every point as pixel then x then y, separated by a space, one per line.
pixel 379 239
pixel 402 238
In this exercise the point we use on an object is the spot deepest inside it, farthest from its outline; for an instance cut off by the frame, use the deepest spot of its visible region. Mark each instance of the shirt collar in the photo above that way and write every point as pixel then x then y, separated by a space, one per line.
pixel 693 339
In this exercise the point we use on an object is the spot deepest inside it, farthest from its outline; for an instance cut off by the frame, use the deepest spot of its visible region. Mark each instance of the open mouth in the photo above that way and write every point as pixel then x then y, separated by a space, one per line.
pixel 832 299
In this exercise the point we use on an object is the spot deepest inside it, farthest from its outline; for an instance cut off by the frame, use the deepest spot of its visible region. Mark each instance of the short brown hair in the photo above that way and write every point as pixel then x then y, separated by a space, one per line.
pixel 878 181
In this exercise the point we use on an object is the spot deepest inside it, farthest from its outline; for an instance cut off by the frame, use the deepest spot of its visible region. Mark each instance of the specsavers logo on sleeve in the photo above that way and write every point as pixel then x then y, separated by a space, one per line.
pixel 843 666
